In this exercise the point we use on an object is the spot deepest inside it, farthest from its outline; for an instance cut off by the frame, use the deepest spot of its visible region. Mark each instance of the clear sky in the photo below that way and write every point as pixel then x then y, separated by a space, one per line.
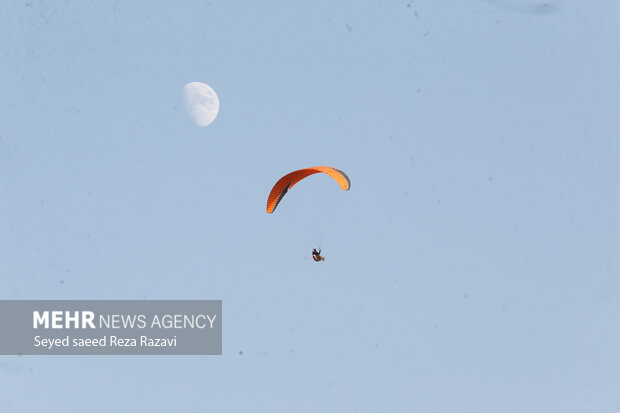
pixel 472 267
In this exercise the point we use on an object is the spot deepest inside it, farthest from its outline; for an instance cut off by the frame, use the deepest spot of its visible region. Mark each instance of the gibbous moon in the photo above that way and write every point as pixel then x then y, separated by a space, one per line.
pixel 201 103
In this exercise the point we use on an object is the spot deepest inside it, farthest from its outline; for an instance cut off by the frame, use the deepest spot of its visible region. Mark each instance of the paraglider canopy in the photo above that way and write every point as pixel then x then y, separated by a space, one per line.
pixel 288 181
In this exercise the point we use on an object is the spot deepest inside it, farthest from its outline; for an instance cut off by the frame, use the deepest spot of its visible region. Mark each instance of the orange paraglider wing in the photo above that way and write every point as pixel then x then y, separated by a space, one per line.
pixel 288 181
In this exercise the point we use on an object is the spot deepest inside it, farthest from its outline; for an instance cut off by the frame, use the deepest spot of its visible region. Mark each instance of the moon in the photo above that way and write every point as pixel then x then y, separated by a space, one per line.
pixel 201 103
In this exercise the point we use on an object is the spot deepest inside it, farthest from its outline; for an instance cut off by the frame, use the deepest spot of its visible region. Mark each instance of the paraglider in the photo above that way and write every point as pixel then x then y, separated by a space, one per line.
pixel 285 183
pixel 316 255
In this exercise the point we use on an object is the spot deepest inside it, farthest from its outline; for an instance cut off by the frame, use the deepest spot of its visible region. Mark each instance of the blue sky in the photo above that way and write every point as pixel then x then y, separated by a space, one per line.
pixel 473 265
